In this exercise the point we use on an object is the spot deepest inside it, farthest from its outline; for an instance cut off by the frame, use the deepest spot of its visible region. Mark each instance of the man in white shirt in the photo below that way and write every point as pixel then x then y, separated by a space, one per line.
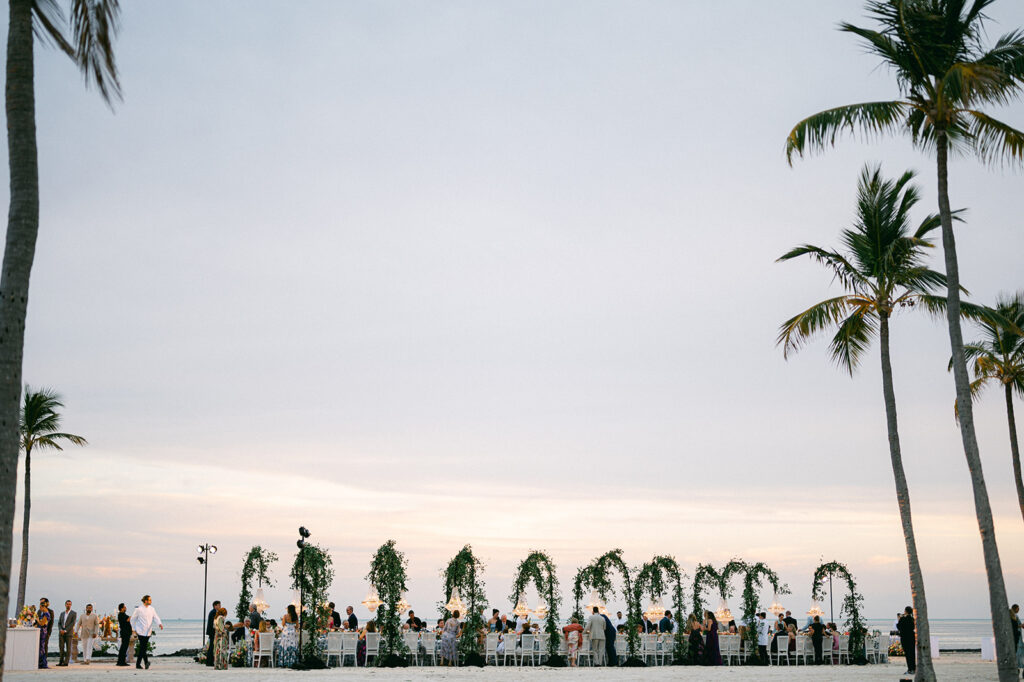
pixel 763 636
pixel 619 621
pixel 88 630
pixel 143 620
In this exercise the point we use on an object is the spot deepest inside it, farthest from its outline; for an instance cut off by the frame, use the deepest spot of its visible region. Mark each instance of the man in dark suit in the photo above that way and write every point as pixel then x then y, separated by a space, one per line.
pixel 66 632
pixel 908 639
pixel 254 617
pixel 353 622
pixel 665 624
pixel 335 616
pixel 789 619
pixel 210 632
pixel 124 631
pixel 611 656
pixel 238 633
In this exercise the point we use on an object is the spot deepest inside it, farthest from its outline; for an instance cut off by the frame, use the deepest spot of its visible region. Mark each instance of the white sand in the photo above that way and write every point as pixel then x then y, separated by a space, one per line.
pixel 948 667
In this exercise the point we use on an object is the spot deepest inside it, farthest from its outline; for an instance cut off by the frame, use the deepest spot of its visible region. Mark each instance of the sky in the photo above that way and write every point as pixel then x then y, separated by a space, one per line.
pixel 498 273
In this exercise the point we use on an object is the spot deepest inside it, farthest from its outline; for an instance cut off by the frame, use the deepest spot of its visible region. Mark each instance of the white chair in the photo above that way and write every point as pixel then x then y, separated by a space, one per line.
pixel 509 643
pixel 883 648
pixel 491 648
pixel 334 644
pixel 526 649
pixel 800 653
pixel 826 649
pixel 372 646
pixel 349 643
pixel 870 649
pixel 622 648
pixel 563 646
pixel 648 647
pixel 428 640
pixel 412 643
pixel 668 645
pixel 265 649
pixel 782 649
pixel 844 648
pixel 585 654
pixel 543 640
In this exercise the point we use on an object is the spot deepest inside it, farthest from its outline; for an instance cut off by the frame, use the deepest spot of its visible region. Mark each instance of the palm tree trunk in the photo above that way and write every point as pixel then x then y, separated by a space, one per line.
pixel 1001 625
pixel 23 574
pixel 925 671
pixel 19 251
pixel 1014 449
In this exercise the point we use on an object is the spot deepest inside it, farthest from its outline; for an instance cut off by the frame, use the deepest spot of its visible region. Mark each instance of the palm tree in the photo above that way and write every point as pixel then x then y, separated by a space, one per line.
pixel 40 430
pixel 999 358
pixel 881 270
pixel 945 74
pixel 93 24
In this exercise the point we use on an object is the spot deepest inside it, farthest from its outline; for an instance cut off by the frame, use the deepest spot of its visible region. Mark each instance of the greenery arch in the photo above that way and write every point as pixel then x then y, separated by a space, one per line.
pixel 584 576
pixel 540 570
pixel 707 576
pixel 312 574
pixel 852 604
pixel 598 577
pixel 257 565
pixel 754 575
pixel 387 575
pixel 651 579
pixel 464 574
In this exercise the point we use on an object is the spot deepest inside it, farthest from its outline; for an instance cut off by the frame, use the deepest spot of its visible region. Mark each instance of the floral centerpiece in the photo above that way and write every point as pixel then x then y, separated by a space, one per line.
pixel 27 617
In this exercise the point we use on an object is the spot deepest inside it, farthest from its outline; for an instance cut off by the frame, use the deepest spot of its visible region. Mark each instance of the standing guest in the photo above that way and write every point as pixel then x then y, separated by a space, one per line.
pixel 449 649
pixel 210 617
pixel 413 623
pixel 288 643
pixel 595 628
pixel 573 635
pixel 789 619
pixel 611 657
pixel 335 617
pixel 44 621
pixel 908 639
pixel 712 652
pixel 817 635
pixel 65 634
pixel 665 624
pixel 220 640
pixel 763 635
pixel 254 617
pixel 143 619
pixel 1017 646
pixel 618 621
pixel 124 631
pixel 353 622
pixel 695 639
pixel 88 628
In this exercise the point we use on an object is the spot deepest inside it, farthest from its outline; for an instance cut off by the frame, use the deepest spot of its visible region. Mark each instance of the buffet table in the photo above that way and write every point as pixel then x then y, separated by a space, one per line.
pixel 22 651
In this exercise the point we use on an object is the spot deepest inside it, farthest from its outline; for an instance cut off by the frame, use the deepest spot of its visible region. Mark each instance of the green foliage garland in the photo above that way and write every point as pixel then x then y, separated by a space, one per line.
pixel 312 573
pixel 649 580
pixel 754 574
pixel 852 604
pixel 464 573
pixel 540 570
pixel 257 565
pixel 584 576
pixel 706 577
pixel 598 577
pixel 387 575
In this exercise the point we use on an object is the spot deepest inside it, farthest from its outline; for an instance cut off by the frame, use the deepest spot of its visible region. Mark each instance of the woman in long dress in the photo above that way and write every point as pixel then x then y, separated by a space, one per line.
pixel 712 654
pixel 695 639
pixel 449 640
pixel 288 643
pixel 44 618
pixel 220 641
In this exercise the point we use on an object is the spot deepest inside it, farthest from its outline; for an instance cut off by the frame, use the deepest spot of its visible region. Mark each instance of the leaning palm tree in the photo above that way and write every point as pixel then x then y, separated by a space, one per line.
pixel 93 24
pixel 998 358
pixel 946 76
pixel 882 270
pixel 40 430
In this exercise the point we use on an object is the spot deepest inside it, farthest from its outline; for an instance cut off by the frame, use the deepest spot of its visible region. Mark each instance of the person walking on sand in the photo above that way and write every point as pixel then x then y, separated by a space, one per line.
pixel 143 619
pixel 88 628
pixel 65 632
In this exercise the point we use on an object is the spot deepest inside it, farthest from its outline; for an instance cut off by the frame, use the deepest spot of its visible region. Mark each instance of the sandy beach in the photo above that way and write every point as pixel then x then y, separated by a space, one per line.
pixel 949 667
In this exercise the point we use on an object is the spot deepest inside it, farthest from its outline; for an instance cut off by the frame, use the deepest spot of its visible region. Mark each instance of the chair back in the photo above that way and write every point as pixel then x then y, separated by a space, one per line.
pixel 491 644
pixel 266 642
pixel 844 644
pixel 372 643
pixel 526 641
pixel 334 642
pixel 412 640
pixel 428 640
pixel 782 644
pixel 349 642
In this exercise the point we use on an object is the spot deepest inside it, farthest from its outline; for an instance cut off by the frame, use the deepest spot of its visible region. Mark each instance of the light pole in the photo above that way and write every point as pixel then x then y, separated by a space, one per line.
pixel 204 560
pixel 301 544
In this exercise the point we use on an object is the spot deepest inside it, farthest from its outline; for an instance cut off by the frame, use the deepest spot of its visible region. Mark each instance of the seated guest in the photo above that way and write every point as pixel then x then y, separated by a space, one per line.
pixel 238 634
pixel 503 625
pixel 413 623
pixel 732 628
pixel 440 625
pixel 791 631
pixel 493 620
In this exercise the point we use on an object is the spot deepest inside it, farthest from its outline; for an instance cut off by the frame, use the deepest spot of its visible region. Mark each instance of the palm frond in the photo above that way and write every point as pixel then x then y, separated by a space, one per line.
pixel 48 25
pixel 94 25
pixel 842 269
pixel 995 141
pixel 821 130
pixel 795 332
pixel 852 339
pixel 1007 55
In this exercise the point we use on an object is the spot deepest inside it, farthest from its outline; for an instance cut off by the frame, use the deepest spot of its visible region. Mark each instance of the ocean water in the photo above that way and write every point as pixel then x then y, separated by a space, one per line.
pixel 178 634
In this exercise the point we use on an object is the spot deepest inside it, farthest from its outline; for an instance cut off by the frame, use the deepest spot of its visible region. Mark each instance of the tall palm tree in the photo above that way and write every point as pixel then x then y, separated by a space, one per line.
pixel 998 358
pixel 88 41
pixel 945 74
pixel 40 430
pixel 881 270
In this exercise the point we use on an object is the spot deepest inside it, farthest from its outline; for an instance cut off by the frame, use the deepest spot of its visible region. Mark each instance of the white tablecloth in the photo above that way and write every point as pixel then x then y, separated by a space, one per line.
pixel 22 649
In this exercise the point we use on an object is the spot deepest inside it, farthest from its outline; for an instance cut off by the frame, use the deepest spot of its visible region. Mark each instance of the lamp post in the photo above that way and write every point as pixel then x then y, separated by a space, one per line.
pixel 301 544
pixel 204 560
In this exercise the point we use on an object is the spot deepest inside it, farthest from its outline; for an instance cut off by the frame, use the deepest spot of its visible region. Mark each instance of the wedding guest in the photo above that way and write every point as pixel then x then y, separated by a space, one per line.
pixel 611 657
pixel 763 635
pixel 494 620
pixel 817 635
pixel 791 631
pixel 88 628
pixel 573 636
pixel 439 627
pixel 44 621
pixel 832 642
pixel 503 626
pixel 712 652
pixel 449 650
pixel 413 623
pixel 335 617
pixel 789 619
pixel 1015 623
pixel 238 634
pixel 210 617
pixel 732 628
pixel 254 617
pixel 353 622
pixel 595 628
pixel 908 639
pixel 65 633
pixel 124 631
pixel 370 627
pixel 665 624
pixel 220 640
pixel 143 619
pixel 695 639
pixel 288 643
pixel 619 621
